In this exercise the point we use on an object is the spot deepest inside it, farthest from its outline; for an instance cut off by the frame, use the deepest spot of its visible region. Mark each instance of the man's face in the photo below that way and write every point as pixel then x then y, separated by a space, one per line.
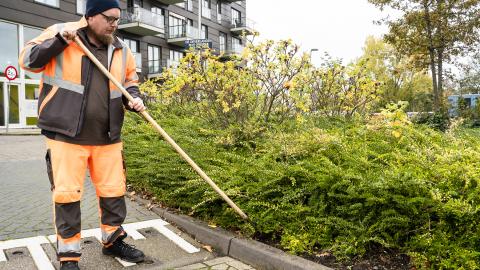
pixel 104 24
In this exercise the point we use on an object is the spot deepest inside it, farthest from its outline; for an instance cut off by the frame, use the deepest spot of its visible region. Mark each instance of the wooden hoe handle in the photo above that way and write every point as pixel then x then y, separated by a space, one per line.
pixel 161 131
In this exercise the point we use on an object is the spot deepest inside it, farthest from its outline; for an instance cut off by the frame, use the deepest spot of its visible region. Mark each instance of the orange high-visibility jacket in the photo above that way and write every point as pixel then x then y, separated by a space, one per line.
pixel 63 87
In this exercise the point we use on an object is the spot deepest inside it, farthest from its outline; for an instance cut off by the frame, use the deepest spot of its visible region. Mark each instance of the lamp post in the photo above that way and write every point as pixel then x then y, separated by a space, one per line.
pixel 311 52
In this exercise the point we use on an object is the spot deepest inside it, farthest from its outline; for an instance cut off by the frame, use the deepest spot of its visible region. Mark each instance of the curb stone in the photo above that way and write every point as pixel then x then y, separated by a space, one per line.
pixel 255 253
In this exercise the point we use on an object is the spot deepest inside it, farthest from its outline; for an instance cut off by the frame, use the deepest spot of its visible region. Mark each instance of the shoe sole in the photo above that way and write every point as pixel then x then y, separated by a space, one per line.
pixel 140 259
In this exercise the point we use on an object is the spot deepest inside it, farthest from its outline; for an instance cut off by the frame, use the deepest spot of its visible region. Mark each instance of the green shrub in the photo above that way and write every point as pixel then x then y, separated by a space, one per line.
pixel 334 184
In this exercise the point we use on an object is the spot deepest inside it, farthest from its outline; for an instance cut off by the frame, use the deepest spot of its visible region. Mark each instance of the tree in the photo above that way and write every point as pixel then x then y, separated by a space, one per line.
pixel 401 81
pixel 433 33
pixel 469 81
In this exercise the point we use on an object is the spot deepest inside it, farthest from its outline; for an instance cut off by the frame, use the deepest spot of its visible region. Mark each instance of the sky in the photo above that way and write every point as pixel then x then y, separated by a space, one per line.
pixel 339 27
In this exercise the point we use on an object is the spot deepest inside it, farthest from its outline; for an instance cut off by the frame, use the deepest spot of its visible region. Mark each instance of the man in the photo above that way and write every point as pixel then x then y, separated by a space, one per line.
pixel 81 114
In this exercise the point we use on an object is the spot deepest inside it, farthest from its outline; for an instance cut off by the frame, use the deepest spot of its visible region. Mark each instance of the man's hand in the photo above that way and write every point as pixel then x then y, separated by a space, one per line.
pixel 137 104
pixel 69 34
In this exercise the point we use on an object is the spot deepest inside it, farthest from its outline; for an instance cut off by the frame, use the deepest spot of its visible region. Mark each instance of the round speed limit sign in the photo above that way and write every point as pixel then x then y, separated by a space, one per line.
pixel 11 73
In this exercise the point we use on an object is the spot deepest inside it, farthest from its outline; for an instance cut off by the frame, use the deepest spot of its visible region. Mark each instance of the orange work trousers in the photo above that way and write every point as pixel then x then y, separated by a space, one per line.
pixel 66 166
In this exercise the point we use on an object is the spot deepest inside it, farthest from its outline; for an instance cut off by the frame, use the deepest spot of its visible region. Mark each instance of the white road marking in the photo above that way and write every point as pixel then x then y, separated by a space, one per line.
pixel 2 256
pixel 124 263
pixel 34 246
pixel 43 262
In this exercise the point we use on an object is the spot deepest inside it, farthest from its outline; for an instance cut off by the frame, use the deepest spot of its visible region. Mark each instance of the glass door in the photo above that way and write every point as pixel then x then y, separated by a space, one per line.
pixel 11 105
pixel 2 105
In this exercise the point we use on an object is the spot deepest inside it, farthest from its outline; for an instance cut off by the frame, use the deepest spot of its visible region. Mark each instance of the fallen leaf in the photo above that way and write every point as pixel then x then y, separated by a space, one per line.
pixel 212 225
pixel 208 248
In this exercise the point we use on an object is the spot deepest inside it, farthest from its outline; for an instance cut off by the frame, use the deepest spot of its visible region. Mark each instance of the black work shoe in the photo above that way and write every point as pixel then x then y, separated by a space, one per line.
pixel 124 251
pixel 69 265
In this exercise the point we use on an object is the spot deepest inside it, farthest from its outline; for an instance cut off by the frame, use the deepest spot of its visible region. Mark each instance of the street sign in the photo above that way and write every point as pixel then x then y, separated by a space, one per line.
pixel 198 44
pixel 11 73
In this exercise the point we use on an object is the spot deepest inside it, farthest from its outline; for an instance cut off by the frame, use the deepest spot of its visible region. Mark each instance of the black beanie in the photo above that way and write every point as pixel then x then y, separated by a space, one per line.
pixel 97 6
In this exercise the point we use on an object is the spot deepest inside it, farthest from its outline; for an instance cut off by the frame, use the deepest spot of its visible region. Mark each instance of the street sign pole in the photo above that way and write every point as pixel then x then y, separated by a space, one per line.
pixel 11 73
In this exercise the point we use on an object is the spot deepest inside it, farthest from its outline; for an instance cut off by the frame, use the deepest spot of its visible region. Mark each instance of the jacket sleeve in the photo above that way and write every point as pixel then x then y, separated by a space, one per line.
pixel 39 51
pixel 131 79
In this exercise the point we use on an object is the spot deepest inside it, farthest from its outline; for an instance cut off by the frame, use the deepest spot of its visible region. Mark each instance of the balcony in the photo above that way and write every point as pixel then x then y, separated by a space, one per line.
pixel 231 52
pixel 206 12
pixel 138 61
pixel 170 2
pixel 142 22
pixel 178 34
pixel 240 25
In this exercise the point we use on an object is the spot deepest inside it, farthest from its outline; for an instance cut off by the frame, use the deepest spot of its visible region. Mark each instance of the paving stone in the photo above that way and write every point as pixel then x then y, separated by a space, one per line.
pixel 222 266
pixel 219 261
pixel 26 204
pixel 196 266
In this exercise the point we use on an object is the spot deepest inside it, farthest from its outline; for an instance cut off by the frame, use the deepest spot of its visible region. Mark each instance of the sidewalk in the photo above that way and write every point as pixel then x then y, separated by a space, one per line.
pixel 27 233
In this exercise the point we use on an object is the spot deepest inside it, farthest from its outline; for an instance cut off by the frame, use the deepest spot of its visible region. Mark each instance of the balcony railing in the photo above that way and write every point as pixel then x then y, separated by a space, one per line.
pixel 206 12
pixel 141 21
pixel 182 31
pixel 237 49
pixel 170 2
pixel 240 25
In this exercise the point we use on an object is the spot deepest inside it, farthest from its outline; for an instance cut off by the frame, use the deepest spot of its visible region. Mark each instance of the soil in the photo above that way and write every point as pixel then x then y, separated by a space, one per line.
pixel 379 259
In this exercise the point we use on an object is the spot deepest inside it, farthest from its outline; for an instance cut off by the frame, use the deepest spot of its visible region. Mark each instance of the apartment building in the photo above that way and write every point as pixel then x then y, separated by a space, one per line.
pixel 157 31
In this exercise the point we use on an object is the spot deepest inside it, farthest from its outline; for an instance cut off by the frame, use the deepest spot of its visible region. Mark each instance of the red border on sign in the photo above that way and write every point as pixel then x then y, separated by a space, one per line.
pixel 16 73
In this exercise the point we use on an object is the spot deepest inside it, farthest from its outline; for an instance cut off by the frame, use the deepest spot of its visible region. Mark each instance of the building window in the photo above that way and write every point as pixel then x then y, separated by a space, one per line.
pixel 53 3
pixel 206 4
pixel 158 16
pixel 237 45
pixel 174 59
pixel 219 12
pixel 132 44
pixel 176 27
pixel 236 17
pixel 134 3
pixel 191 32
pixel 223 42
pixel 158 11
pixel 206 9
pixel 81 6
pixel 8 46
pixel 189 5
pixel 204 31
pixel 153 59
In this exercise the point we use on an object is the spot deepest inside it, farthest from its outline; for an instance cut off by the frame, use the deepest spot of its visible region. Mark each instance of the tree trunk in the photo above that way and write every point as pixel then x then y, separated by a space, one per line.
pixel 431 50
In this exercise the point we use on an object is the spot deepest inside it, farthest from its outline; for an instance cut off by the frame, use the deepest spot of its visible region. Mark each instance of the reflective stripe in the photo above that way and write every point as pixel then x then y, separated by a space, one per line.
pixel 59 66
pixel 78 88
pixel 111 48
pixel 105 236
pixel 124 63
pixel 115 94
pixel 26 56
pixel 71 247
